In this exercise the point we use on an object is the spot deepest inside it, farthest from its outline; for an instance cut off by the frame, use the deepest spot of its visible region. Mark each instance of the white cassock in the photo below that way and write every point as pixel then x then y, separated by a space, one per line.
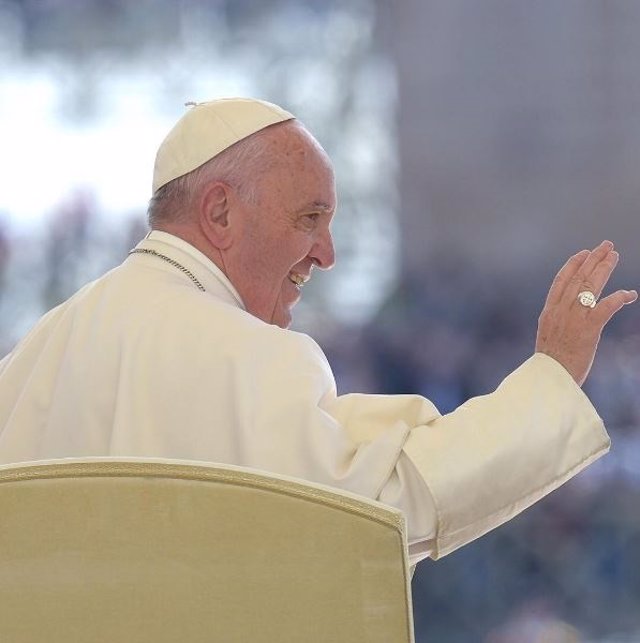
pixel 142 363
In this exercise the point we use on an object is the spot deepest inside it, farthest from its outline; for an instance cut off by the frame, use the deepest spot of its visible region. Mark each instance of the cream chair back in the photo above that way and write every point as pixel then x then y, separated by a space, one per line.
pixel 110 551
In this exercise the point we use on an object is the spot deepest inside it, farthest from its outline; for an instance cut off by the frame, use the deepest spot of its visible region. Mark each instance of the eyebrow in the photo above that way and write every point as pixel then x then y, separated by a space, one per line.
pixel 316 205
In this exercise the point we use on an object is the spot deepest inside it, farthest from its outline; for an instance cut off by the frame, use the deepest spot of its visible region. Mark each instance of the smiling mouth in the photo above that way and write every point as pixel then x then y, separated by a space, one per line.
pixel 298 279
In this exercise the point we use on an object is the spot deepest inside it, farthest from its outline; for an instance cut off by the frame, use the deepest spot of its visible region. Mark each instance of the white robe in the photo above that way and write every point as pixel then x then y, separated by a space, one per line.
pixel 142 363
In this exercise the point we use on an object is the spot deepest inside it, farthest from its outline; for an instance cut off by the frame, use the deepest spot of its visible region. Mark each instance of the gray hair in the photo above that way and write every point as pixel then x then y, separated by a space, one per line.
pixel 240 166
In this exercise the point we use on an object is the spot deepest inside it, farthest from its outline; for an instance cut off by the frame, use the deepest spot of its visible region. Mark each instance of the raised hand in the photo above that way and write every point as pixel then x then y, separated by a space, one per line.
pixel 569 330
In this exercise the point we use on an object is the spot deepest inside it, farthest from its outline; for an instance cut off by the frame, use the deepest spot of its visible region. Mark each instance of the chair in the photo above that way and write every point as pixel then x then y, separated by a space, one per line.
pixel 112 550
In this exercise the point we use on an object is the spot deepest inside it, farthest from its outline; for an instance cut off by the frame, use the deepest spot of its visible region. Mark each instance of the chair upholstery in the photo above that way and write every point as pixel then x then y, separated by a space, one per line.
pixel 106 550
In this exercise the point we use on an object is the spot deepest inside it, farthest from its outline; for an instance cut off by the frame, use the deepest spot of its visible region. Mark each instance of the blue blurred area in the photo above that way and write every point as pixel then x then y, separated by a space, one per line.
pixel 87 91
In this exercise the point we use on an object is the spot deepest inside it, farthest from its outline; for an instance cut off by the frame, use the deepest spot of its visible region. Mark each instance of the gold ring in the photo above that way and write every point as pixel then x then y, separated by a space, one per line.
pixel 587 299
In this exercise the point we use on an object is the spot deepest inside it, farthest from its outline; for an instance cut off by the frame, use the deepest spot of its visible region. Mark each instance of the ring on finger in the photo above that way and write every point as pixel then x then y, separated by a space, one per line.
pixel 587 299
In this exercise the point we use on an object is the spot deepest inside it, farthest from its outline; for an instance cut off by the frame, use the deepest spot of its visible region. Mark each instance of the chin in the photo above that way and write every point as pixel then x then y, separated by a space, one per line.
pixel 283 323
pixel 283 319
pixel 278 315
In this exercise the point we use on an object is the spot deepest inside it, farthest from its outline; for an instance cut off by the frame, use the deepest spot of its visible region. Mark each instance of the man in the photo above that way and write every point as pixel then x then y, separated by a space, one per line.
pixel 183 352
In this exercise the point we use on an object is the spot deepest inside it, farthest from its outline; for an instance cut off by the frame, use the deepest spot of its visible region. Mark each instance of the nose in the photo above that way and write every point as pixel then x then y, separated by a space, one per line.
pixel 323 252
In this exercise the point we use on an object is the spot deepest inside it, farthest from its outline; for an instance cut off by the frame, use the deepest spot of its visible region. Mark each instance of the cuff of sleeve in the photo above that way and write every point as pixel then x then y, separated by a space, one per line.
pixel 498 454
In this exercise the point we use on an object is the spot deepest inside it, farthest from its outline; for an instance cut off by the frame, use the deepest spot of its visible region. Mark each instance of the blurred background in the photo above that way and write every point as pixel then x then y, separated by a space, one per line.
pixel 477 145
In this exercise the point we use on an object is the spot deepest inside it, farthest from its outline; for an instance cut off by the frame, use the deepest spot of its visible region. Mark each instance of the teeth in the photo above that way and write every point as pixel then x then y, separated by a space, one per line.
pixel 298 280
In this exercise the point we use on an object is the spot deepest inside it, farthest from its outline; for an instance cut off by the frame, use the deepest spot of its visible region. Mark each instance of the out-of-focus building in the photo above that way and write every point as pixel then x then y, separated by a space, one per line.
pixel 519 131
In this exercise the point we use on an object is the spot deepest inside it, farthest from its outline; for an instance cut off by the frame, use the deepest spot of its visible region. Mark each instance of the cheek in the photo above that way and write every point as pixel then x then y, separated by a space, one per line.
pixel 271 272
pixel 269 255
pixel 289 252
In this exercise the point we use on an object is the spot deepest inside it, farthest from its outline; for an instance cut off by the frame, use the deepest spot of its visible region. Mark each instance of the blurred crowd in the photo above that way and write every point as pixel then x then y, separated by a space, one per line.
pixel 567 570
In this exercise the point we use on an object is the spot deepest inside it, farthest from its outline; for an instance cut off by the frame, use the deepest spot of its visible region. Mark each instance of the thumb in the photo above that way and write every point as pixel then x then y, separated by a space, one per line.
pixel 611 304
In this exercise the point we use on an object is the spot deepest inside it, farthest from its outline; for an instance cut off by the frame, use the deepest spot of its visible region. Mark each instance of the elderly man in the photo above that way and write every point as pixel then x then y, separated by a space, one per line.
pixel 183 350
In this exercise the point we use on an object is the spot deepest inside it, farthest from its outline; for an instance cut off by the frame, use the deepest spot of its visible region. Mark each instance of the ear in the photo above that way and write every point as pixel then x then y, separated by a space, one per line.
pixel 215 214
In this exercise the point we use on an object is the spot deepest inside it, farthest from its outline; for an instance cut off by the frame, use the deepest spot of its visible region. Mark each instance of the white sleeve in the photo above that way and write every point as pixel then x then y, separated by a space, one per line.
pixel 462 474
pixel 498 454
pixel 406 490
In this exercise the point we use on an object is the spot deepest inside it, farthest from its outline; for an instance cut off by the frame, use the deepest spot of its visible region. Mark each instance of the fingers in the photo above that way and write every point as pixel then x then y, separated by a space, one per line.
pixel 595 271
pixel 599 277
pixel 565 275
pixel 586 270
pixel 595 257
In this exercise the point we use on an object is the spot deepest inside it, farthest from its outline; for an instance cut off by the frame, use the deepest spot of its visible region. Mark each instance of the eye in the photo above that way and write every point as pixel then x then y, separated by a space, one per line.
pixel 310 219
pixel 308 222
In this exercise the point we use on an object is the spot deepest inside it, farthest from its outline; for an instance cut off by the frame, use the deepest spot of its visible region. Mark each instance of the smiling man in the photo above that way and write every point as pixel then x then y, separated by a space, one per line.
pixel 260 212
pixel 183 350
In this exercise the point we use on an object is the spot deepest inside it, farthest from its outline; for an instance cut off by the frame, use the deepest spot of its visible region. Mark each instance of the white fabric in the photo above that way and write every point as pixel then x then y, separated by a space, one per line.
pixel 142 363
pixel 208 128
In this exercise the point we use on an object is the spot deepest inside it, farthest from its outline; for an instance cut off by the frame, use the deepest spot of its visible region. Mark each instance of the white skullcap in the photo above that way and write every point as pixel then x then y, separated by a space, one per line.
pixel 208 128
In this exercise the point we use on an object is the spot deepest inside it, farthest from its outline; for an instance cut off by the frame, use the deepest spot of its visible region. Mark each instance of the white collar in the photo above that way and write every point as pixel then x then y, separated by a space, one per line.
pixel 212 278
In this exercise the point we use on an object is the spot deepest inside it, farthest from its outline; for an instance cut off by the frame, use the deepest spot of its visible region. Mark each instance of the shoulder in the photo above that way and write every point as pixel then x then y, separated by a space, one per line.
pixel 208 325
pixel 227 347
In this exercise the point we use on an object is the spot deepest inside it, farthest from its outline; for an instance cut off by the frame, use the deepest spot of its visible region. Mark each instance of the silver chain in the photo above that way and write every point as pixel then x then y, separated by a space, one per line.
pixel 173 262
